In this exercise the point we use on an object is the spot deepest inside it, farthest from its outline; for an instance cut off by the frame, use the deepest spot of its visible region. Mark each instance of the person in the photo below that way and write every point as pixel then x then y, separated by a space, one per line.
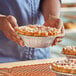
pixel 14 13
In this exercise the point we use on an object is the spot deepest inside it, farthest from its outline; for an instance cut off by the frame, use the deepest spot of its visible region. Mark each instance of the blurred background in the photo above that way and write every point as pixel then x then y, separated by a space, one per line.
pixel 68 15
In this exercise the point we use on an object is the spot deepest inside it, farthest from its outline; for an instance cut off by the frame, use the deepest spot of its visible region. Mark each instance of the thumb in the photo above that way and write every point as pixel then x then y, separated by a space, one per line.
pixel 60 24
pixel 12 21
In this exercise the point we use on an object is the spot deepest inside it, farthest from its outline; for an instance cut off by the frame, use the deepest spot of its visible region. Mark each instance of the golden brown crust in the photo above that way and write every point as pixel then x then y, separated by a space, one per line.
pixel 69 25
pixel 69 50
pixel 66 66
pixel 40 31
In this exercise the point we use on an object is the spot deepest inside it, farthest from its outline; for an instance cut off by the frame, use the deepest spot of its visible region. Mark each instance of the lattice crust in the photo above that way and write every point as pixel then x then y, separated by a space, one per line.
pixel 70 50
pixel 39 31
pixel 65 66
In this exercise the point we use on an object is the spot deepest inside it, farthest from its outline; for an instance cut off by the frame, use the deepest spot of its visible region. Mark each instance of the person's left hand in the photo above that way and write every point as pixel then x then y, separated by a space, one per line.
pixel 56 23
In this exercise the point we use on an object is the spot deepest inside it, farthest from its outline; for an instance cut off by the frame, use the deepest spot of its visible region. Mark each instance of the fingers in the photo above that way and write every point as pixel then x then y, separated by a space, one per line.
pixel 63 31
pixel 59 38
pixel 18 41
pixel 10 33
pixel 12 21
pixel 50 23
pixel 13 35
pixel 56 23
pixel 56 41
pixel 14 38
pixel 53 22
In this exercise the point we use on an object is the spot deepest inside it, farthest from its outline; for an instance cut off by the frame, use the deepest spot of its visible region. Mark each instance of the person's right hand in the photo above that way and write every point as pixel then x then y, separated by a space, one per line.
pixel 7 26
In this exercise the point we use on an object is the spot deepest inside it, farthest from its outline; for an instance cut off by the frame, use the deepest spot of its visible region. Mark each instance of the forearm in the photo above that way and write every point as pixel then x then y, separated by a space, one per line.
pixel 50 7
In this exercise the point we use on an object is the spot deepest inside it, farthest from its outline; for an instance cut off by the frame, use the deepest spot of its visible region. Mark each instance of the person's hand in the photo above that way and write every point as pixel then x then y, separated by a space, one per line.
pixel 59 38
pixel 7 26
pixel 56 23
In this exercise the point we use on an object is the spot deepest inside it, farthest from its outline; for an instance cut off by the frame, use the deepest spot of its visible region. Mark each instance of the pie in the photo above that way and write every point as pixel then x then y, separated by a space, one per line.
pixel 39 31
pixel 65 66
pixel 70 50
